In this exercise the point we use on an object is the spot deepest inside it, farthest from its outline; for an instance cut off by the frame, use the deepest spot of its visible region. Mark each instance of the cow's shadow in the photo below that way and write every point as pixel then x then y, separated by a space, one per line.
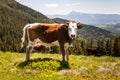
pixel 63 64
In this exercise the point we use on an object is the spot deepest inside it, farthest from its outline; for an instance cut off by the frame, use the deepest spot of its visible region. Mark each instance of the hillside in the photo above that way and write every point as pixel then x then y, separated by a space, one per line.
pixel 111 27
pixel 89 31
pixel 13 17
pixel 60 20
pixel 50 67
pixel 96 33
pixel 91 19
pixel 24 10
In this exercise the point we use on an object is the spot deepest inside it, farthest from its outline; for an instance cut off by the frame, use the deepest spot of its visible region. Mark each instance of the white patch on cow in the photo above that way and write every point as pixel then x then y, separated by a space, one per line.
pixel 66 45
pixel 55 43
pixel 31 43
pixel 72 29
pixel 33 24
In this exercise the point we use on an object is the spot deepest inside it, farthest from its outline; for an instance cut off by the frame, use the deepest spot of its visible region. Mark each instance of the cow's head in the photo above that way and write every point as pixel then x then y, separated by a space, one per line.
pixel 72 28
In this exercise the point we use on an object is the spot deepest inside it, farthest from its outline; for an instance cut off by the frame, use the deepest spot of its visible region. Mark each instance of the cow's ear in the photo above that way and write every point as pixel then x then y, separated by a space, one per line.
pixel 67 24
pixel 79 25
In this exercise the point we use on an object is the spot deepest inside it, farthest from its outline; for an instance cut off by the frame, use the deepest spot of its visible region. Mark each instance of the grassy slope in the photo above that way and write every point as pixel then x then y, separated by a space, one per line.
pixel 50 67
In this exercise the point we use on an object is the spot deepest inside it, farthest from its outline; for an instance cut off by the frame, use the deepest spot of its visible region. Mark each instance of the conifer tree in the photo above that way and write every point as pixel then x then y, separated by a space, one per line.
pixel 116 46
pixel 109 47
pixel 101 46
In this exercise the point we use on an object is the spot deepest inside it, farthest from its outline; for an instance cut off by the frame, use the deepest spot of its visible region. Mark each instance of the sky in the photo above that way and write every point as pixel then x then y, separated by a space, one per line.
pixel 62 7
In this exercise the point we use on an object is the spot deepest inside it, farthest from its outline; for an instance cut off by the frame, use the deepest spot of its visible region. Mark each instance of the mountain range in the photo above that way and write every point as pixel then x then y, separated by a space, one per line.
pixel 91 19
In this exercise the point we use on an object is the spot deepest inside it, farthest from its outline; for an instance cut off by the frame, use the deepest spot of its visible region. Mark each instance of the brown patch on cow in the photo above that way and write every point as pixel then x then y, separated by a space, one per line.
pixel 48 32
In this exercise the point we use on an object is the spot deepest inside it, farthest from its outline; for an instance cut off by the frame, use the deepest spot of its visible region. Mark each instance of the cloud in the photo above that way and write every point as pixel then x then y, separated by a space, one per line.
pixel 51 5
pixel 73 4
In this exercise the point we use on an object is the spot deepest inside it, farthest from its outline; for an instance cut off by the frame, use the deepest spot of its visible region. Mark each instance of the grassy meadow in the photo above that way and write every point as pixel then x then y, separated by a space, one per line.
pixel 50 67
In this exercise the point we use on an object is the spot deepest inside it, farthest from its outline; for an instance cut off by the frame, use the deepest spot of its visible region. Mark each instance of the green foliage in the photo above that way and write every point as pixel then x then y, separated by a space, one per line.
pixel 109 47
pixel 41 64
pixel 104 46
pixel 116 46
pixel 101 46
pixel 79 47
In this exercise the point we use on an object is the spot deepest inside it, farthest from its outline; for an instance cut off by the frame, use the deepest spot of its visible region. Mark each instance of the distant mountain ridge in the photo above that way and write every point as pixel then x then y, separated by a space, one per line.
pixel 111 27
pixel 91 19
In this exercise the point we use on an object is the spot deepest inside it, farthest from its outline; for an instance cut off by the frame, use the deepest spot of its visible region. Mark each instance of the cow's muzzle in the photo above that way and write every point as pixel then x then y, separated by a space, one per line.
pixel 72 36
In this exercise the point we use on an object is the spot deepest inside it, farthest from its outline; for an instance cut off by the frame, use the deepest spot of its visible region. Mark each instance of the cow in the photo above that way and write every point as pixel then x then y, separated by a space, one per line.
pixel 93 51
pixel 47 34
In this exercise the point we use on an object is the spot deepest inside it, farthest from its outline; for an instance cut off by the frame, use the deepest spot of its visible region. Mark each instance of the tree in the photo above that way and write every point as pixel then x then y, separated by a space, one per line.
pixel 109 47
pixel 116 46
pixel 101 46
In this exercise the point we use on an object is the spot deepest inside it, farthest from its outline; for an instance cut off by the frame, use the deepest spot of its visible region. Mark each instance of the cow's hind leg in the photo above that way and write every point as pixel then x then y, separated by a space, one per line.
pixel 62 51
pixel 28 50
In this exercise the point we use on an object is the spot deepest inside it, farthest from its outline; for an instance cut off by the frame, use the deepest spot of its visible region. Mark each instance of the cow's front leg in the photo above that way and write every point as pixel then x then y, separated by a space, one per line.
pixel 67 53
pixel 28 50
pixel 62 51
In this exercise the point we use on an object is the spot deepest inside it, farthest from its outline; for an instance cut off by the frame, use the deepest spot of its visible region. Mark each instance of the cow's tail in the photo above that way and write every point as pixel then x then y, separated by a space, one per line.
pixel 24 33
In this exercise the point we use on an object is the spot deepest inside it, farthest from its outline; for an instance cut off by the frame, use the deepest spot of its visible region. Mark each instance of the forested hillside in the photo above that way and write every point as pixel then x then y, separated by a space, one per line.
pixel 111 27
pixel 13 17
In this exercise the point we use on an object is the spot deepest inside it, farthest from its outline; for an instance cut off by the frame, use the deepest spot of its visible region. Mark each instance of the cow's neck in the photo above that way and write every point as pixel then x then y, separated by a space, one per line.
pixel 66 37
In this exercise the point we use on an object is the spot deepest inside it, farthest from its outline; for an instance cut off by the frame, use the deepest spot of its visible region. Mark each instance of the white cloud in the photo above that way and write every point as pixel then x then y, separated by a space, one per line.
pixel 51 5
pixel 73 4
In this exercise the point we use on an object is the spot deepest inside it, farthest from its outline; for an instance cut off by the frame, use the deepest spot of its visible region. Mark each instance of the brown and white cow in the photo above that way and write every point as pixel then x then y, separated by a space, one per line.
pixel 51 34
pixel 93 51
